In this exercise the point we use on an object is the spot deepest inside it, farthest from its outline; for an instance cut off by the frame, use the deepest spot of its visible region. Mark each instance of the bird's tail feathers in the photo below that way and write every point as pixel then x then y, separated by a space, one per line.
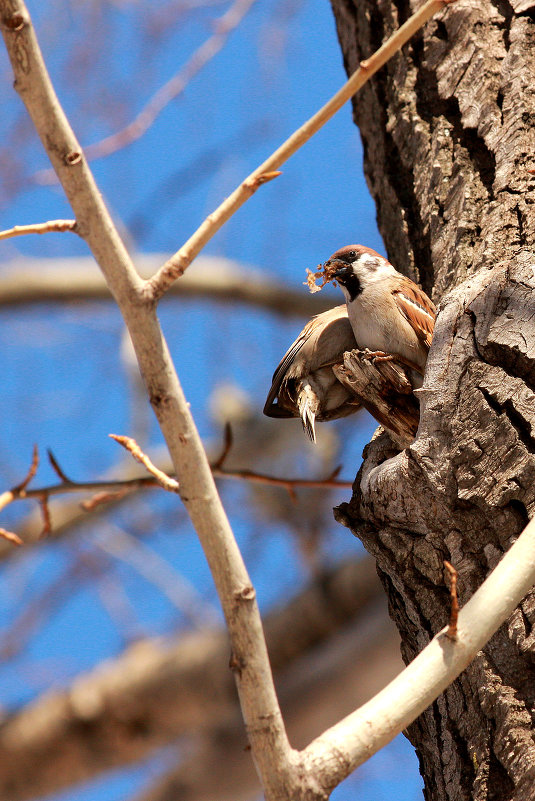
pixel 307 403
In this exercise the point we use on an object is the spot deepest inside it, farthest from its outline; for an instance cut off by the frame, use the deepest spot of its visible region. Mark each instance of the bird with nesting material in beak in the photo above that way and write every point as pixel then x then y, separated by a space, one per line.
pixel 389 314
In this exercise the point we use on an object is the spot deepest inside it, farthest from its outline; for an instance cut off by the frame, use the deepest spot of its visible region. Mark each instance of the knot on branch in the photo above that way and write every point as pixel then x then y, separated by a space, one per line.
pixel 246 593
pixel 14 22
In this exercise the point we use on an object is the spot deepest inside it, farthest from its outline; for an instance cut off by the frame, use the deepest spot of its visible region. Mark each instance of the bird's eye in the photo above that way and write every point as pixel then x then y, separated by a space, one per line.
pixel 352 254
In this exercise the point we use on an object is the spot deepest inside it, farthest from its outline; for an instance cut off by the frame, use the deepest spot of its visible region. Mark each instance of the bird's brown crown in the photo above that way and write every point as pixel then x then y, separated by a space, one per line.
pixel 351 252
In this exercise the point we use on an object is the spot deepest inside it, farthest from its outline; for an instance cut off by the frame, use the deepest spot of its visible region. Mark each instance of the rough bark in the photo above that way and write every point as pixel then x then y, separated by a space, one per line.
pixel 449 137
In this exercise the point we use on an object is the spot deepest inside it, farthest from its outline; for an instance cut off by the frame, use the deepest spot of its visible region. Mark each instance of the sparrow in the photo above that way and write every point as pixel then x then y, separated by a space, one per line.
pixel 389 314
pixel 304 384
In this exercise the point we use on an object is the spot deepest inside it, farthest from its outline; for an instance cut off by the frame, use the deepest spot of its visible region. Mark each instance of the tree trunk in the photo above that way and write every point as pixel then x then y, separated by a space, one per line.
pixel 448 128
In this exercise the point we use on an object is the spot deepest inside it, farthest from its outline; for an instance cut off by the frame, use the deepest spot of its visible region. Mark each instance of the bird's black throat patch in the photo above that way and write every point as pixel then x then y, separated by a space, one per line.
pixel 352 284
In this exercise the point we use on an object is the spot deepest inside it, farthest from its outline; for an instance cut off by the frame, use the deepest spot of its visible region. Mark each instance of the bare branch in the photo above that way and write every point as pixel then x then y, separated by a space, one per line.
pixel 127 485
pixel 112 490
pixel 198 490
pixel 178 263
pixel 107 491
pixel 215 278
pixel 345 746
pixel 10 536
pixel 289 484
pixel 169 484
pixel 53 226
pixel 68 515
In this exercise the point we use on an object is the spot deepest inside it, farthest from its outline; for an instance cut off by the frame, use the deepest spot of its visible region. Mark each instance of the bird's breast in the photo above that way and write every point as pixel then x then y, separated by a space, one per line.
pixel 378 325
pixel 369 325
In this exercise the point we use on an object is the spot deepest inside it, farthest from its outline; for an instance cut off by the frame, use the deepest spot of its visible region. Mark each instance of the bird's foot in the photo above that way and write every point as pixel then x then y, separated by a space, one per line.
pixel 377 356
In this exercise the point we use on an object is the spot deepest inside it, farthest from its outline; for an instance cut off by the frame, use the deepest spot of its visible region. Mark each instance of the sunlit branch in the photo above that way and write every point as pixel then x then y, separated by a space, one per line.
pixel 177 264
pixel 214 278
pixel 165 481
pixel 52 226
pixel 352 741
pixel 113 490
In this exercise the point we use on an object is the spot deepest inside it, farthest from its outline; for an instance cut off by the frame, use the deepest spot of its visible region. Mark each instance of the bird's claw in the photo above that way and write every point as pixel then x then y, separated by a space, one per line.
pixel 377 356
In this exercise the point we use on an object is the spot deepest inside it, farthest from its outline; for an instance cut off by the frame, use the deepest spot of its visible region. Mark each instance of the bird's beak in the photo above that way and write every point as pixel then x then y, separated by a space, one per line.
pixel 341 269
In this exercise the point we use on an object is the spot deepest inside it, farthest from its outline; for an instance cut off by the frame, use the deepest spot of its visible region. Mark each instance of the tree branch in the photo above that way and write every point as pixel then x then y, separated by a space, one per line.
pixel 52 226
pixel 26 281
pixel 109 490
pixel 177 264
pixel 250 661
pixel 348 744
pixel 165 481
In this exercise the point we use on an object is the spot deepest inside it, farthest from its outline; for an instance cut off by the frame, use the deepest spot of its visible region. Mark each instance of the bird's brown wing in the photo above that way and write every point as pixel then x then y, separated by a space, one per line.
pixel 320 325
pixel 418 310
pixel 272 409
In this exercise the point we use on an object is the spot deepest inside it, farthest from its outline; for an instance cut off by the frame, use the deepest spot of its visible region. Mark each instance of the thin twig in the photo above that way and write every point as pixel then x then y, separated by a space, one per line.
pixel 47 520
pixel 56 468
pixel 31 472
pixel 454 608
pixel 227 445
pixel 10 536
pixel 165 481
pixel 52 226
pixel 20 490
pixel 177 264
pixel 289 484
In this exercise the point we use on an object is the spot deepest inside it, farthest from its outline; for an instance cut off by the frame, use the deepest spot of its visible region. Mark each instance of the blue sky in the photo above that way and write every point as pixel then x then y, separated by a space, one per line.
pixel 62 386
